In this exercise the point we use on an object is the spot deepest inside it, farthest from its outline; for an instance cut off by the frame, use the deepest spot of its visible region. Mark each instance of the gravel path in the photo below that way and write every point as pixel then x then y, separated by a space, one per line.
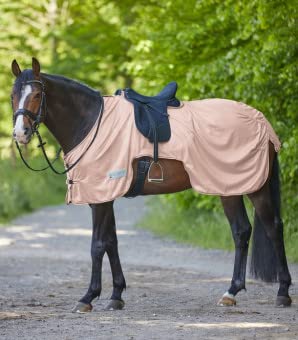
pixel 172 289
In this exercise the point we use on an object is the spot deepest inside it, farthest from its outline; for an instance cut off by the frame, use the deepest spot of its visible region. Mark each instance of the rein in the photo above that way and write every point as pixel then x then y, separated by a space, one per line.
pixel 34 128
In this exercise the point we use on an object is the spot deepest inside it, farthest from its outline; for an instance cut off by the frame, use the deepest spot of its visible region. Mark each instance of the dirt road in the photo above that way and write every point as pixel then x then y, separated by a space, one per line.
pixel 172 289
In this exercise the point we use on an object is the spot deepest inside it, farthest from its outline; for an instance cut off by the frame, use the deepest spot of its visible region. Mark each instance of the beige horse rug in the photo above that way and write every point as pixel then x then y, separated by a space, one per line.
pixel 223 145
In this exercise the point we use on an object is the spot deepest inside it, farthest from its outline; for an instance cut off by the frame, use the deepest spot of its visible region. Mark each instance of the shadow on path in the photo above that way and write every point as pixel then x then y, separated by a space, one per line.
pixel 172 288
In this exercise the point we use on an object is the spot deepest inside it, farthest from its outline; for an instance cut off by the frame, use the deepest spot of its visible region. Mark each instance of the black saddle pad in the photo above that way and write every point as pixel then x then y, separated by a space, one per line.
pixel 151 116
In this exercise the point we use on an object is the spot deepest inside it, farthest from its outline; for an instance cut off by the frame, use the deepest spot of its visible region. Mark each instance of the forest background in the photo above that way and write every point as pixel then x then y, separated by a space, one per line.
pixel 242 50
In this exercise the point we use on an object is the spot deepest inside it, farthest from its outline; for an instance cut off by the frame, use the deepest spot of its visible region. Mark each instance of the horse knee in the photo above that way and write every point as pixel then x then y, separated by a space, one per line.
pixel 242 236
pixel 97 249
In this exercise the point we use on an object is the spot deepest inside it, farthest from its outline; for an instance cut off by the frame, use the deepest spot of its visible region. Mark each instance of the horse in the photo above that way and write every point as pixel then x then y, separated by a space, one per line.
pixel 70 110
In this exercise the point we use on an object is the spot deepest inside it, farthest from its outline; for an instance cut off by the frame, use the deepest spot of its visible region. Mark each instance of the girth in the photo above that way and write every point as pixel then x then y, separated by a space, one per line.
pixel 142 170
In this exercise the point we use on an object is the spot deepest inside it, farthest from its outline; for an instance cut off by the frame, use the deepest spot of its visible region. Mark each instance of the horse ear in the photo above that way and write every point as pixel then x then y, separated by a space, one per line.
pixel 35 67
pixel 15 68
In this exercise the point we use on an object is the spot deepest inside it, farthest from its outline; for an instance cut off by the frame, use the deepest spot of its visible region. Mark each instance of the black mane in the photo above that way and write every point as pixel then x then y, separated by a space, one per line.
pixel 74 84
pixel 27 75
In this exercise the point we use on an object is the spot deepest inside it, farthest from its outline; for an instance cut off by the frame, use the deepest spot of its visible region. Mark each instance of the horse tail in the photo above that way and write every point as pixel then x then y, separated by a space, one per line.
pixel 263 259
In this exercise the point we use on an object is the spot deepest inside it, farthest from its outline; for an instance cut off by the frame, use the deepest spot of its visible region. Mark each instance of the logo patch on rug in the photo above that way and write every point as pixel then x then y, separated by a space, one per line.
pixel 117 173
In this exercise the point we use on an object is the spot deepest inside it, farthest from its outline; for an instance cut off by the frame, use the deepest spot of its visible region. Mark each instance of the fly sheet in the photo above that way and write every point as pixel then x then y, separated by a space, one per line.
pixel 223 145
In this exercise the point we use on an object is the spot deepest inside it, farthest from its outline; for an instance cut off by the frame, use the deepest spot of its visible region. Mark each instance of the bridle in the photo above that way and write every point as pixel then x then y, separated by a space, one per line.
pixel 39 118
pixel 36 118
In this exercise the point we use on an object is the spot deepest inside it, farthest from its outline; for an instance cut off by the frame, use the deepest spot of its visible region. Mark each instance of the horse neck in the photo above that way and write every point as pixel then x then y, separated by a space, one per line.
pixel 72 110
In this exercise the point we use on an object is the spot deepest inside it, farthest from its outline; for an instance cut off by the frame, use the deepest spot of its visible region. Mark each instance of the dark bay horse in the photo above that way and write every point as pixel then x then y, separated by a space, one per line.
pixel 69 110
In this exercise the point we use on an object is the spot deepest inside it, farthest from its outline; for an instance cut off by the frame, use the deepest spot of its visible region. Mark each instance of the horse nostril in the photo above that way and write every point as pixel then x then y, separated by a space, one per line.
pixel 26 130
pixel 14 134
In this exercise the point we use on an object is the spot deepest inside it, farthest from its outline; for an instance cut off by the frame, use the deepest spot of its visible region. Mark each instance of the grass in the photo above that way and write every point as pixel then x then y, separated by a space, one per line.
pixel 207 230
pixel 23 191
pixel 200 228
pixel 291 241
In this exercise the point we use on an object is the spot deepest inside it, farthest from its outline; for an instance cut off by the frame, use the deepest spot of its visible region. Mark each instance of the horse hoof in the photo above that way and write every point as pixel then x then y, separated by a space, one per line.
pixel 82 308
pixel 115 305
pixel 283 301
pixel 227 300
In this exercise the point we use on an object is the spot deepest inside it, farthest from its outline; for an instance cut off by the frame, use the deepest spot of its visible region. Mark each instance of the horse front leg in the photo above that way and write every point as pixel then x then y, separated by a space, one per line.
pixel 103 240
pixel 119 283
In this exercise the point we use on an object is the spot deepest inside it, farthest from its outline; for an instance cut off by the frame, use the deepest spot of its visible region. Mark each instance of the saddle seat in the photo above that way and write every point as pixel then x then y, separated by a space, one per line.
pixel 167 94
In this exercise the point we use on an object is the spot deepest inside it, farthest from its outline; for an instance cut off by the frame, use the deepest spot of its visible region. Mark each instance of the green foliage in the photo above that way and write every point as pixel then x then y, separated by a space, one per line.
pixel 230 49
pixel 23 191
pixel 243 50
pixel 204 228
pixel 207 229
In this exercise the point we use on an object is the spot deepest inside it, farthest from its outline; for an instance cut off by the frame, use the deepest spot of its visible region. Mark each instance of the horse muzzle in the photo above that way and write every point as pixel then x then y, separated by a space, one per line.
pixel 22 136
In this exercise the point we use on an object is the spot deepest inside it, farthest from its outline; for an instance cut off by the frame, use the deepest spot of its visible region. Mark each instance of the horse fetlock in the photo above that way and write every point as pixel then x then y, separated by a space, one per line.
pixel 236 287
pixel 90 295
pixel 284 288
pixel 240 284
pixel 120 284
pixel 94 293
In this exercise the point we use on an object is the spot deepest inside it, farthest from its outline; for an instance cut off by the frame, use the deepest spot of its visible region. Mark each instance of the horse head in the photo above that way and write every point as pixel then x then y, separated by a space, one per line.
pixel 28 100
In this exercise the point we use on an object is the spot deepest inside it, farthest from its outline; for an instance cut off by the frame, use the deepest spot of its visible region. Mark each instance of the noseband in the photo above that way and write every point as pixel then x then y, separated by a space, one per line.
pixel 38 118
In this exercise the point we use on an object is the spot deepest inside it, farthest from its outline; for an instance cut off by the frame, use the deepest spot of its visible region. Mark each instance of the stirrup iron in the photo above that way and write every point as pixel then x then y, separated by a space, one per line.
pixel 155 180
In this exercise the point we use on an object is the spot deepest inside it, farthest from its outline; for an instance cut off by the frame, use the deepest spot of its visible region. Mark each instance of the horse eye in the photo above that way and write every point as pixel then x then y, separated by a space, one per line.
pixel 37 96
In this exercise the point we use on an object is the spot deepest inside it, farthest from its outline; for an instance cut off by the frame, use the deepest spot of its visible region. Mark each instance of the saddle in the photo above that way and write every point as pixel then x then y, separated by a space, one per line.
pixel 151 116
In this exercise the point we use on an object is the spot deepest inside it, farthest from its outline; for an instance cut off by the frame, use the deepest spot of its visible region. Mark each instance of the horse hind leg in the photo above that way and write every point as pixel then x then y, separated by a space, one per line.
pixel 119 284
pixel 266 202
pixel 241 229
